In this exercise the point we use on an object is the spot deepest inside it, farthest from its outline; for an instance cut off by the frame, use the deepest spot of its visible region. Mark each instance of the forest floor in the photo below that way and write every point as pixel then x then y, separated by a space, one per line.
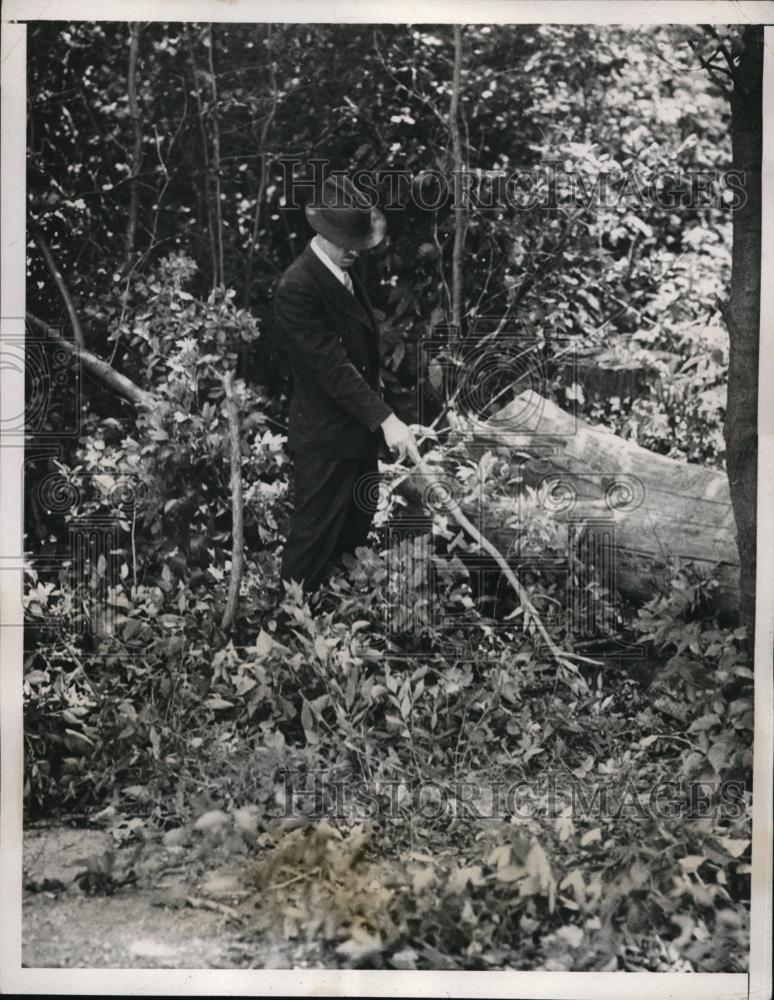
pixel 187 918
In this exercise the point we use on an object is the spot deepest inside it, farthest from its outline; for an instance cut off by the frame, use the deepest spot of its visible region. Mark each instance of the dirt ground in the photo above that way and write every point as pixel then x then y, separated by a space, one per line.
pixel 178 915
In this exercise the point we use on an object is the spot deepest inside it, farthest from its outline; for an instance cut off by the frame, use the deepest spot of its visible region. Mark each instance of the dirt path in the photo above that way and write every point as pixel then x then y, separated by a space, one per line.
pixel 178 915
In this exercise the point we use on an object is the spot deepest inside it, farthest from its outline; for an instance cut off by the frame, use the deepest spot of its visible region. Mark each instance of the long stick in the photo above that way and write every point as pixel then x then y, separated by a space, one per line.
pixel 205 153
pixel 237 505
pixel 458 187
pixel 62 288
pixel 136 157
pixel 530 613
pixel 267 122
pixel 216 151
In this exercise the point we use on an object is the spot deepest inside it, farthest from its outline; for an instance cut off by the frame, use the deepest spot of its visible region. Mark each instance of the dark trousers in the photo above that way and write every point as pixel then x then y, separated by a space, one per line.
pixel 334 500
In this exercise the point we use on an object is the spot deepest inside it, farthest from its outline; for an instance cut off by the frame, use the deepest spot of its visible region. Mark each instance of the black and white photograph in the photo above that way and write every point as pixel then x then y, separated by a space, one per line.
pixel 386 522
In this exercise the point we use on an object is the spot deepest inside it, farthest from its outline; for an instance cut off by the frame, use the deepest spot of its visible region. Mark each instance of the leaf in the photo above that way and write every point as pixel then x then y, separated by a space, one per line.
pixel 718 755
pixel 461 878
pixel 214 819
pixel 218 704
pixel 423 876
pixel 571 934
pixel 510 873
pixel 575 882
pixel 406 958
pixel 263 644
pixel 500 855
pixel 704 722
pixel 155 742
pixel 77 741
pixel 139 792
pixel 246 820
pixel 360 944
pixel 105 483
pixel 176 837
pixel 435 374
pixel 307 721
pixel 591 837
pixel 168 620
pixel 537 864
pixel 541 877
pixel 243 684
pixel 735 847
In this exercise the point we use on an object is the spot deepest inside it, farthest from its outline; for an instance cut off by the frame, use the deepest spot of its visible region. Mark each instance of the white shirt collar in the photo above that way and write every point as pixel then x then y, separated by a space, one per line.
pixel 333 268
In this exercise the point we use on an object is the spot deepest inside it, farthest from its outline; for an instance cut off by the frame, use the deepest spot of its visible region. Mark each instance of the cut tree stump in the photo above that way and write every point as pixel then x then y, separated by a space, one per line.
pixel 648 514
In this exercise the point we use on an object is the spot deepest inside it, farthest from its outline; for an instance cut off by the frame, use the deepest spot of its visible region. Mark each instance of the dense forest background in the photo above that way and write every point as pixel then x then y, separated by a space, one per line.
pixel 163 161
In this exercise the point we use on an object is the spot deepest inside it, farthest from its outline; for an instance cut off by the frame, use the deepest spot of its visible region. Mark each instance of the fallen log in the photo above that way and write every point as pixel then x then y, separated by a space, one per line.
pixel 648 515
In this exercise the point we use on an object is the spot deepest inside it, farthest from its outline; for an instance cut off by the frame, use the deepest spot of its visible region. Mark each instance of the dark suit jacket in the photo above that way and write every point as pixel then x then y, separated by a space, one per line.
pixel 331 339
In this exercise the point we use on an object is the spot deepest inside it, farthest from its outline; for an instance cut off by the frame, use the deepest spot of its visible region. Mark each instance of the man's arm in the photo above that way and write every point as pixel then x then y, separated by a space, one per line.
pixel 319 350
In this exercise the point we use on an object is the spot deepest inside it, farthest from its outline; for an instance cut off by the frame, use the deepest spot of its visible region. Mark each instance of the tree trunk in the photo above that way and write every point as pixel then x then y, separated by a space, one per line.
pixel 216 166
pixel 742 313
pixel 237 505
pixel 99 368
pixel 197 93
pixel 458 187
pixel 136 157
pixel 61 285
pixel 644 515
pixel 262 151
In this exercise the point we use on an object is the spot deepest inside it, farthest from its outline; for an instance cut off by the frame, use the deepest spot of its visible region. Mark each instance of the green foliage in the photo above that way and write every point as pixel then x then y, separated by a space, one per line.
pixel 574 111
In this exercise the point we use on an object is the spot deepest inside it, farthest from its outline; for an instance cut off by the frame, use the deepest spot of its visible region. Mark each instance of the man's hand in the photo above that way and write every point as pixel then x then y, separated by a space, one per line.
pixel 398 436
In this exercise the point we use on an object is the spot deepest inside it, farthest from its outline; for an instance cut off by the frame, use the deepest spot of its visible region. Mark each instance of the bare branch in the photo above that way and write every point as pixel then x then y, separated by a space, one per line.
pixel 459 192
pixel 62 288
pixel 205 150
pixel 136 154
pixel 216 153
pixel 402 86
pixel 237 506
pixel 707 64
pixel 267 122
pixel 100 368
pixel 531 617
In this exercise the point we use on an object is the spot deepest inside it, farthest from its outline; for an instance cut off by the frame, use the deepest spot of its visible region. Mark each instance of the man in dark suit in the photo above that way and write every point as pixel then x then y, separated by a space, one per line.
pixel 337 416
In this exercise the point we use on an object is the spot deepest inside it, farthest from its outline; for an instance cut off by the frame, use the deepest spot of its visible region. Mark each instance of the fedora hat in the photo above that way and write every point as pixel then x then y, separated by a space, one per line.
pixel 344 215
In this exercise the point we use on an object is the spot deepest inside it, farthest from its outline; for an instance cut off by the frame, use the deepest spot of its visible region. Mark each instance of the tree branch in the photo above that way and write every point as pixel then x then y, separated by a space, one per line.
pixel 531 617
pixel 205 152
pixel 216 152
pixel 262 185
pixel 712 69
pixel 45 250
pixel 99 367
pixel 459 192
pixel 237 505
pixel 136 156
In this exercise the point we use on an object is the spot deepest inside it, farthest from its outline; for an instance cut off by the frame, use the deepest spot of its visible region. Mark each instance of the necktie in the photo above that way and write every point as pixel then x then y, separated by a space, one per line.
pixel 348 284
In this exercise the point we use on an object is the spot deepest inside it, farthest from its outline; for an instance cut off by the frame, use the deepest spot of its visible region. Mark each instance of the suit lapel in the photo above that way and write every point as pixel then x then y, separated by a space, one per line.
pixel 333 289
